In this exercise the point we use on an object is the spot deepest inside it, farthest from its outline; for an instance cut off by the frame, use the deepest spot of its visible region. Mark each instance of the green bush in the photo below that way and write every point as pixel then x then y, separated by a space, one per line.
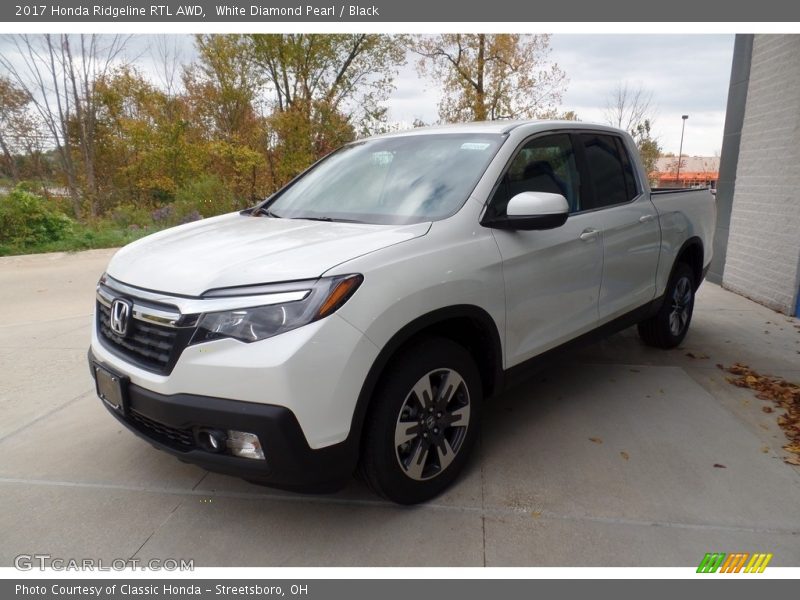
pixel 26 219
pixel 126 215
pixel 207 195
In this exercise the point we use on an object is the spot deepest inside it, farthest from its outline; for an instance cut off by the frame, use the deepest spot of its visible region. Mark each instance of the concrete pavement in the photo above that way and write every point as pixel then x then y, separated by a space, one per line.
pixel 607 459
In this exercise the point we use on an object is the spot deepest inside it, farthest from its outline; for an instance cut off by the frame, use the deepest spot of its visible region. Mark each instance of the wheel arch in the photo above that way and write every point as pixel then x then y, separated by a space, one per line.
pixel 690 253
pixel 465 324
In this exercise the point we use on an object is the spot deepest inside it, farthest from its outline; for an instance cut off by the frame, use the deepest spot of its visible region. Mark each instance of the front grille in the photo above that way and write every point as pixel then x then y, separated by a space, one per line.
pixel 181 439
pixel 150 346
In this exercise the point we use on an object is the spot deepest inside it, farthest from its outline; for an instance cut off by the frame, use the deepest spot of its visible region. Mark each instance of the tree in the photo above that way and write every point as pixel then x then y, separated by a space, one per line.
pixel 631 108
pixel 166 56
pixel 649 148
pixel 59 74
pixel 347 73
pixel 628 107
pixel 142 140
pixel 14 123
pixel 323 90
pixel 223 84
pixel 222 89
pixel 567 115
pixel 491 76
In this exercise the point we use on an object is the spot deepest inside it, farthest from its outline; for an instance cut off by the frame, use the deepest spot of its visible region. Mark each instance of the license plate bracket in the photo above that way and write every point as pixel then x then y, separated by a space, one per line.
pixel 111 388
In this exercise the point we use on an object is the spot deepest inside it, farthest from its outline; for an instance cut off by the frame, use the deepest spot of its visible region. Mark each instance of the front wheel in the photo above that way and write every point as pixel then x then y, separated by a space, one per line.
pixel 423 422
pixel 669 326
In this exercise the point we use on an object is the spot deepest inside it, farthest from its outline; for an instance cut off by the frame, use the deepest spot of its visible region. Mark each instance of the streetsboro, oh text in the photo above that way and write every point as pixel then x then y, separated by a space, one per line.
pixel 127 589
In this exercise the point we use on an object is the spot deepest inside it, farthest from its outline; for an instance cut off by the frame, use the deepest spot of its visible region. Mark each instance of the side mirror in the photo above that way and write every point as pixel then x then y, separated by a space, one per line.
pixel 532 210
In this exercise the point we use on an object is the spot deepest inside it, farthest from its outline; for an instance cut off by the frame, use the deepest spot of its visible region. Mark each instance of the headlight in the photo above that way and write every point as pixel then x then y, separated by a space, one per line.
pixel 310 301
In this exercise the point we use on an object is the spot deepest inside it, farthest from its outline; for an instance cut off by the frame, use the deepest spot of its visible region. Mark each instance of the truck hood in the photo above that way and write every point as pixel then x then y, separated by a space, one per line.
pixel 235 249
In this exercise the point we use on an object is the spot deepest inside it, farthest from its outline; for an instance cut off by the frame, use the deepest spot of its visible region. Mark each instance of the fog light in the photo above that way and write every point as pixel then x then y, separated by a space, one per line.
pixel 211 440
pixel 244 445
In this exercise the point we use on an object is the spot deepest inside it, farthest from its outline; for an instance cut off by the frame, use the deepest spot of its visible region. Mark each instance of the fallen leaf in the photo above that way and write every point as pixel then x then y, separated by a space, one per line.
pixel 765 449
pixel 792 460
pixel 624 455
pixel 697 355
pixel 536 514
pixel 793 448
pixel 596 440
pixel 721 367
pixel 784 396
pixel 719 466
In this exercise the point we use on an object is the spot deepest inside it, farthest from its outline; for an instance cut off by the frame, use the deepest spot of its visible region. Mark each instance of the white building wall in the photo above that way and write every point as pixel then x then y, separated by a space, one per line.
pixel 763 255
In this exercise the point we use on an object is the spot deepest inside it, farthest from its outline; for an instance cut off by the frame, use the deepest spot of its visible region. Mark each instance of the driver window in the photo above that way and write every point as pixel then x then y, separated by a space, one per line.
pixel 545 164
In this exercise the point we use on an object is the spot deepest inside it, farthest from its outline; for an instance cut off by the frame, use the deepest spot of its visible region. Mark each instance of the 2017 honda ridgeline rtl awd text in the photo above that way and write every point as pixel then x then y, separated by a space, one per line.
pixel 357 319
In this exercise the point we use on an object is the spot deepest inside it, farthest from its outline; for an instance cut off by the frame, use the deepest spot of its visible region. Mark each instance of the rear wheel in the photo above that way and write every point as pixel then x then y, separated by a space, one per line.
pixel 423 422
pixel 669 326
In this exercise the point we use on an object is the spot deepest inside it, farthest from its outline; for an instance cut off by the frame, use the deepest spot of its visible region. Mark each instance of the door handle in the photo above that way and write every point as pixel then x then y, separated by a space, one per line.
pixel 589 234
pixel 646 218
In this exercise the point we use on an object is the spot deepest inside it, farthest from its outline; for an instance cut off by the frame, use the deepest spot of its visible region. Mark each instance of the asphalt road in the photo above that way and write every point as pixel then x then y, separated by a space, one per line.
pixel 608 459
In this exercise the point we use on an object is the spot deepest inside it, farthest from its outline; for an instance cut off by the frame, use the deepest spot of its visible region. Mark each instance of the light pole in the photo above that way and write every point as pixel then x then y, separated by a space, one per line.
pixel 680 152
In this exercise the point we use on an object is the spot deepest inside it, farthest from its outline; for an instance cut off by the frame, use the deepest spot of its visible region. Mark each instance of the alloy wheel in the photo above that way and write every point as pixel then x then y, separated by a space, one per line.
pixel 681 301
pixel 432 424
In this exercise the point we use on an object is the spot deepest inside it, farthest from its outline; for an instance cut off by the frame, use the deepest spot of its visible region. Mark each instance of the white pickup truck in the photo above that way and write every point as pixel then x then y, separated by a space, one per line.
pixel 358 318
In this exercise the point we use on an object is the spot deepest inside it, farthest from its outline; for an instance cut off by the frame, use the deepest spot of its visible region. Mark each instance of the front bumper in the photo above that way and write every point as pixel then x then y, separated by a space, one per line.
pixel 171 424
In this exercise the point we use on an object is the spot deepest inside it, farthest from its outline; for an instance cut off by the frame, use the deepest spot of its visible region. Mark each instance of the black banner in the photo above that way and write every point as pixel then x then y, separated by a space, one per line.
pixel 249 11
pixel 731 588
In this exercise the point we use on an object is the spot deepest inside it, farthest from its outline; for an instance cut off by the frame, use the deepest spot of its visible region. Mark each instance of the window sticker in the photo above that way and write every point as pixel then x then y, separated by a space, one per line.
pixel 474 146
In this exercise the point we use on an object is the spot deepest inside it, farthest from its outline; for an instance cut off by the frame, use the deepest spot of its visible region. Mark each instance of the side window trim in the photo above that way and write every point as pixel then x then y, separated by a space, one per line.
pixel 627 166
pixel 586 183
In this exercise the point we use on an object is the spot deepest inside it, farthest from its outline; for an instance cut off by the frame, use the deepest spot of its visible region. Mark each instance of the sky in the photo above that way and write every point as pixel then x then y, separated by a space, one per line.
pixel 687 74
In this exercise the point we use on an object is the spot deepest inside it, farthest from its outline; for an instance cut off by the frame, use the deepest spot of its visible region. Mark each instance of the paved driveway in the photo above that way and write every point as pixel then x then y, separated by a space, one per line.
pixel 539 491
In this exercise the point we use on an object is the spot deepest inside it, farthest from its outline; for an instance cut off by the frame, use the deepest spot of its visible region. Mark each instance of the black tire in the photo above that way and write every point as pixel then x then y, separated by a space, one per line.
pixel 389 468
pixel 669 326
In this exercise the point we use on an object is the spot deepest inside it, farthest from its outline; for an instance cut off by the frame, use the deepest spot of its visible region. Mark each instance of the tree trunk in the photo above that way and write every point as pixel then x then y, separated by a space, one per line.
pixel 12 162
pixel 480 93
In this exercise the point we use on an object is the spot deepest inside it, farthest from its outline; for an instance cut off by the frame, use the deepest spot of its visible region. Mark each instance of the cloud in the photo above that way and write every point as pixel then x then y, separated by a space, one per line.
pixel 687 74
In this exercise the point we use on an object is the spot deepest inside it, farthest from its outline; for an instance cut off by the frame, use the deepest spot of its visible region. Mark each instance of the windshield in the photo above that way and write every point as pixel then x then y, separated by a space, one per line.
pixel 397 180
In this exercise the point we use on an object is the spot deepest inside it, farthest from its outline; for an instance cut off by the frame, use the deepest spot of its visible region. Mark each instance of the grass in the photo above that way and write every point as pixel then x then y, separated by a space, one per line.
pixel 82 237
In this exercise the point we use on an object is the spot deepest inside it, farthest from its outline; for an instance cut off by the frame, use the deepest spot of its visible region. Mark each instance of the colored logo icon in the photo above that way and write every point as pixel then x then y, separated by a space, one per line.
pixel 737 562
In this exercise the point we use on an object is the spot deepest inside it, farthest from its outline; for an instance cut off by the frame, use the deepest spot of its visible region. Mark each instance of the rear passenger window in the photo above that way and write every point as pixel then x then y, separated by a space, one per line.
pixel 610 170
pixel 545 164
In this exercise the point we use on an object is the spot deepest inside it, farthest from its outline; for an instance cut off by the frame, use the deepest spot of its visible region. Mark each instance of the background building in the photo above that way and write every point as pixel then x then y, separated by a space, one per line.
pixel 695 171
pixel 757 242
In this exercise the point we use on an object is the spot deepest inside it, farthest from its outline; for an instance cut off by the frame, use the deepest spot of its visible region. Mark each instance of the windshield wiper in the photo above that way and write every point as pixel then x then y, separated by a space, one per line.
pixel 327 219
pixel 257 212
